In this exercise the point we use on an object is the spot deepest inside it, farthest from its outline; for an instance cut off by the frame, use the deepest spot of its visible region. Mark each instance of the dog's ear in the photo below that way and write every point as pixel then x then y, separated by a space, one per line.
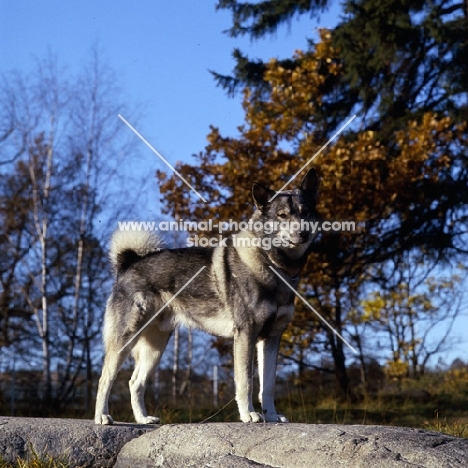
pixel 261 195
pixel 310 184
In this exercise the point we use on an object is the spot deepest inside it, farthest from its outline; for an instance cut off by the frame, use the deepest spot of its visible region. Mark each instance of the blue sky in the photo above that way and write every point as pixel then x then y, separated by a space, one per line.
pixel 162 51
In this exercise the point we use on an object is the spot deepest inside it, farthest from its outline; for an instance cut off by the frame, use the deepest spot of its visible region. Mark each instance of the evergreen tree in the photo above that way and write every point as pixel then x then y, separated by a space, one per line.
pixel 403 172
pixel 401 58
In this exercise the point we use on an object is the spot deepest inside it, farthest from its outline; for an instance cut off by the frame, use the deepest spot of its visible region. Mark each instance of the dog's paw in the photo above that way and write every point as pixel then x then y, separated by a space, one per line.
pixel 104 419
pixel 278 418
pixel 253 416
pixel 148 420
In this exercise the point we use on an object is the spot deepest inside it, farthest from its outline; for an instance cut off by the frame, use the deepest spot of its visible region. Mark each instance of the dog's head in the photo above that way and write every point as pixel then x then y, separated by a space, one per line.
pixel 288 216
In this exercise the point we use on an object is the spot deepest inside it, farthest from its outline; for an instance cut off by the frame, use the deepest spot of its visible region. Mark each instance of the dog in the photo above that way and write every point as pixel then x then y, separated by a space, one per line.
pixel 238 294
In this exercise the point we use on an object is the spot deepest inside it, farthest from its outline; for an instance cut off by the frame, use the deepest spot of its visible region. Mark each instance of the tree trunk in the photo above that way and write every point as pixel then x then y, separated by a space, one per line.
pixel 342 380
pixel 339 359
pixel 41 224
pixel 175 366
pixel 188 371
pixel 362 363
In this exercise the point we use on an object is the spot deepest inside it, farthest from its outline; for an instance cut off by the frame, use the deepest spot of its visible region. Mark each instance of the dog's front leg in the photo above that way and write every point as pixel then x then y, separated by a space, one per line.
pixel 267 351
pixel 244 348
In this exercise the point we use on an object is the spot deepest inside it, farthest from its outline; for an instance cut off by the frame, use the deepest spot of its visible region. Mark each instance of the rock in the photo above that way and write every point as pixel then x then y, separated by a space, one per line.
pixel 83 443
pixel 237 445
pixel 230 445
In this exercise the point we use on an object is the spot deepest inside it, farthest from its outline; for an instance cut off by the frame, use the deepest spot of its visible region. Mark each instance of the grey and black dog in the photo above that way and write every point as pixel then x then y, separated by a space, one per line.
pixel 236 295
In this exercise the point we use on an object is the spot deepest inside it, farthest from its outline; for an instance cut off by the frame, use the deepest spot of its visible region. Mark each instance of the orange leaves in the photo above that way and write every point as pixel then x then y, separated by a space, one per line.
pixel 422 148
pixel 295 93
pixel 351 178
pixel 361 179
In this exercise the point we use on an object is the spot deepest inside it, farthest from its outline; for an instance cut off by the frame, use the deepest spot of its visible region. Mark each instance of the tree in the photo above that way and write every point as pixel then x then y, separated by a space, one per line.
pixel 400 58
pixel 59 167
pixel 14 216
pixel 399 62
pixel 409 312
pixel 404 197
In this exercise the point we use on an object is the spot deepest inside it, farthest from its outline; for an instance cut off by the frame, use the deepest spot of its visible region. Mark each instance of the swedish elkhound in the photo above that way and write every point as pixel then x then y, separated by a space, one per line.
pixel 236 295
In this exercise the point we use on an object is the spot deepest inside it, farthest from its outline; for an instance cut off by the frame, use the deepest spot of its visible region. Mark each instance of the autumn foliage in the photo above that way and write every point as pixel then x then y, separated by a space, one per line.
pixel 397 195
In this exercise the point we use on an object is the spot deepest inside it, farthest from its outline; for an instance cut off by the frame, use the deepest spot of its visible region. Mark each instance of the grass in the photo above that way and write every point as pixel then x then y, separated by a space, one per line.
pixel 46 462
pixel 442 413
pixel 433 402
pixel 408 413
pixel 36 461
pixel 455 427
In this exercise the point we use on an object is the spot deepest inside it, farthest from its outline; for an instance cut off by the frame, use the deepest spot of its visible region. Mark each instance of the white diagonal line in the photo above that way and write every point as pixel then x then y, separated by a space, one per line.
pixel 312 158
pixel 161 157
pixel 162 308
pixel 313 310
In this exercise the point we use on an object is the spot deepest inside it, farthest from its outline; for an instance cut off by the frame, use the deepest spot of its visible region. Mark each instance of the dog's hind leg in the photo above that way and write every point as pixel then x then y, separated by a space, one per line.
pixel 112 363
pixel 147 353
pixel 267 351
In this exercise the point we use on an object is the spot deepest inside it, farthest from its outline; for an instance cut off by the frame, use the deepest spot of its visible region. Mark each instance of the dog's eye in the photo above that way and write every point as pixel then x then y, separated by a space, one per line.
pixel 282 215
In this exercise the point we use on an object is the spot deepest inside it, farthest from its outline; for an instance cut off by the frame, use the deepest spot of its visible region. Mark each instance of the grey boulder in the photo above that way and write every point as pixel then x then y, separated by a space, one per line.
pixel 237 445
pixel 79 441
pixel 230 445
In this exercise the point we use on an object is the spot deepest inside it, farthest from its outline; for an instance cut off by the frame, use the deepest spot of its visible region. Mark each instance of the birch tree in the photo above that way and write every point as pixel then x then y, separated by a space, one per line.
pixel 64 146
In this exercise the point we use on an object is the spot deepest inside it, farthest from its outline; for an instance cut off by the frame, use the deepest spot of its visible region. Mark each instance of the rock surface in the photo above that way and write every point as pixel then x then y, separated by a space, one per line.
pixel 83 443
pixel 230 445
pixel 237 445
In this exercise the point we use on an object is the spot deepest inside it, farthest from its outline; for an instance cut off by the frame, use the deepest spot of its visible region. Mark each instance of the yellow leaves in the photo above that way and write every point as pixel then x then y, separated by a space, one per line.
pixel 372 309
pixel 424 147
pixel 325 35
pixel 456 381
pixel 396 369
pixel 457 375
pixel 402 312
pixel 437 287
pixel 295 93
pixel 324 48
pixel 351 177
pixel 395 304
pixel 360 179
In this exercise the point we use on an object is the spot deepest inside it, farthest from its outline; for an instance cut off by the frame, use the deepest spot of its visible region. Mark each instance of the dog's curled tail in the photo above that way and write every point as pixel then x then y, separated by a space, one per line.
pixel 127 247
